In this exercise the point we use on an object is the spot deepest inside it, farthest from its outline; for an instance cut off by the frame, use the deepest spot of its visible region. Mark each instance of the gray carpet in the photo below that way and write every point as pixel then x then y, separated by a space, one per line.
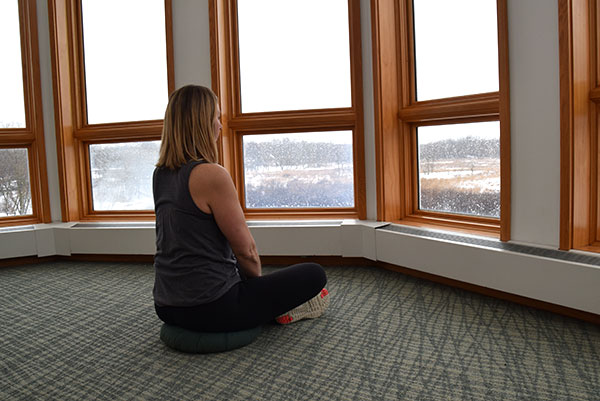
pixel 77 331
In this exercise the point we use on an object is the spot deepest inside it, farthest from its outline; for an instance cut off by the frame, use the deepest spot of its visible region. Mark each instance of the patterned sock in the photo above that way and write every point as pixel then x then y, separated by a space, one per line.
pixel 311 309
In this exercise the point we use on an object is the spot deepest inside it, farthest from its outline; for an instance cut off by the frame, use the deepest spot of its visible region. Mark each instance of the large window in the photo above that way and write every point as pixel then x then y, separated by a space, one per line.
pixel 291 101
pixel 112 87
pixel 579 30
pixel 441 107
pixel 23 184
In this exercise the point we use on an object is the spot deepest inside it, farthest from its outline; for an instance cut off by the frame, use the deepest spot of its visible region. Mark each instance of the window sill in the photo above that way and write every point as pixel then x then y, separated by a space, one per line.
pixel 471 228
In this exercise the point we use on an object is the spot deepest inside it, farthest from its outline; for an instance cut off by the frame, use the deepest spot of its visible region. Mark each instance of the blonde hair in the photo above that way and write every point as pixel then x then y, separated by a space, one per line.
pixel 188 128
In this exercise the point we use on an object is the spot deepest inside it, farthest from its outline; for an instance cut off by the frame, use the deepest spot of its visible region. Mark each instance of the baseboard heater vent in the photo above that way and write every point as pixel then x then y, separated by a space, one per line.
pixel 295 223
pixel 492 243
pixel 147 224
pixel 15 228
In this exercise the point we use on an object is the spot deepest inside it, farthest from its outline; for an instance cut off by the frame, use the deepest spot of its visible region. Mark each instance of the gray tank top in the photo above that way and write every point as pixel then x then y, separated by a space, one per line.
pixel 194 263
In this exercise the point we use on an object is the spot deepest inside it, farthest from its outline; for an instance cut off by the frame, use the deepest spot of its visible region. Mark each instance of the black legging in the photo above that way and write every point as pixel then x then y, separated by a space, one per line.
pixel 251 302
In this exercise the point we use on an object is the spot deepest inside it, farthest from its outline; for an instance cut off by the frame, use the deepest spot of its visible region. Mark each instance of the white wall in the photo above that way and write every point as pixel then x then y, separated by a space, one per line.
pixel 533 50
pixel 535 121
pixel 191 43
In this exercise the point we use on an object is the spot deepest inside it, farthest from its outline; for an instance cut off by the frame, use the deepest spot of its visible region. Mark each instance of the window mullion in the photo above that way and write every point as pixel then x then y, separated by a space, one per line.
pixel 486 105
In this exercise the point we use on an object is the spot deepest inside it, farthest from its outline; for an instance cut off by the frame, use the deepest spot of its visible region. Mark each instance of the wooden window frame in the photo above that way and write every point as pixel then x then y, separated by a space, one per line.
pixel 397 114
pixel 73 133
pixel 579 27
pixel 32 136
pixel 225 83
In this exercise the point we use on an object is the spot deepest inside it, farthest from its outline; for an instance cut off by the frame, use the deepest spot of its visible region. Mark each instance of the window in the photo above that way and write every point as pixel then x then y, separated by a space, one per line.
pixel 459 168
pixel 579 30
pixel 23 183
pixel 112 88
pixel 291 104
pixel 441 114
pixel 121 175
pixel 300 170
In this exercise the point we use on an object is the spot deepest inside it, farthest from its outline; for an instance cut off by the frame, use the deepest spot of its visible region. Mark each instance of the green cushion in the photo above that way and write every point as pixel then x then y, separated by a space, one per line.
pixel 201 343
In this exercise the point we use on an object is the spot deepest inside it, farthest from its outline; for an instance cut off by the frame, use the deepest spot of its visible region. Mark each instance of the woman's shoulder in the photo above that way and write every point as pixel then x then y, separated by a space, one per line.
pixel 207 167
pixel 212 173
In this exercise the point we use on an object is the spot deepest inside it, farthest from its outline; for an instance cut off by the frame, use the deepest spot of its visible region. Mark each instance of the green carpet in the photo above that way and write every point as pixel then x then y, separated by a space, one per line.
pixel 77 331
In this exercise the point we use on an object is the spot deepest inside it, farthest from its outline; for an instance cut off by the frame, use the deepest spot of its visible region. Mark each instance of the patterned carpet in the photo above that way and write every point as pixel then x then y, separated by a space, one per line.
pixel 77 331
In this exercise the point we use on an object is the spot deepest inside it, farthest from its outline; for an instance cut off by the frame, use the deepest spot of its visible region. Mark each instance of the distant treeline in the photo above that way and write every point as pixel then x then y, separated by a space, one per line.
pixel 285 153
pixel 464 148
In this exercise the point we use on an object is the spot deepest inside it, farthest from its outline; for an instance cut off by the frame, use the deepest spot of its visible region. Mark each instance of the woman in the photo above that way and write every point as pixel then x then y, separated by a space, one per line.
pixel 208 272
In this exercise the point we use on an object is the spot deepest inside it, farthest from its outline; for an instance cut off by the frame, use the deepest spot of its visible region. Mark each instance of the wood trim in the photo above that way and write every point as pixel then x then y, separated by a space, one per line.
pixel 114 215
pixel 358 146
pixel 481 105
pixel 593 120
pixel 595 95
pixel 595 40
pixel 582 141
pixel 215 67
pixel 15 138
pixel 504 111
pixel 220 71
pixel 38 173
pixel 300 214
pixel 338 262
pixel 213 25
pixel 169 47
pixel 386 101
pixel 59 16
pixel 78 66
pixel 235 94
pixel 579 148
pixel 595 174
pixel 294 120
pixel 565 41
pixel 18 220
pixel 121 131
pixel 473 224
pixel 31 137
pixel 27 260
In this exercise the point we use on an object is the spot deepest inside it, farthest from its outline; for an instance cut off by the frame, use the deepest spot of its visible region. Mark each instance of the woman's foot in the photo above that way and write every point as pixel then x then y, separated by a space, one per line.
pixel 313 308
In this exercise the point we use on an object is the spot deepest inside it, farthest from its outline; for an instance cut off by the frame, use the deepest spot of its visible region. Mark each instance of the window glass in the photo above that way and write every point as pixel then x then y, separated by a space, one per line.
pixel 122 175
pixel 459 168
pixel 125 60
pixel 294 55
pixel 456 47
pixel 12 104
pixel 301 170
pixel 15 187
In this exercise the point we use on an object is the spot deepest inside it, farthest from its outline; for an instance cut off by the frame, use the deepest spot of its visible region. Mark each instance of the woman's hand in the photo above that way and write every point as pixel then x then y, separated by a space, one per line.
pixel 213 192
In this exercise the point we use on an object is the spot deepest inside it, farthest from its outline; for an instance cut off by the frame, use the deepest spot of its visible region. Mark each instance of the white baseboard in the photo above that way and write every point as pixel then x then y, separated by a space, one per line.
pixel 561 282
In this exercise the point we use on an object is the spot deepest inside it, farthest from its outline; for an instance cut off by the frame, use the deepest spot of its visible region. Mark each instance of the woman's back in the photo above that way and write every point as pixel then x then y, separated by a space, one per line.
pixel 194 262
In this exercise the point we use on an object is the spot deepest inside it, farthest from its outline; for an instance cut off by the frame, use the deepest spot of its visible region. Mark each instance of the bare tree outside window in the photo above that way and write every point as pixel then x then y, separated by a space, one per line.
pixel 15 188
pixel 122 175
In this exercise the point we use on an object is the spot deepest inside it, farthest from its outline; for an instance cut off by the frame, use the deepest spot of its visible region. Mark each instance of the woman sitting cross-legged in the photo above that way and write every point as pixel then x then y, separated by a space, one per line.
pixel 207 271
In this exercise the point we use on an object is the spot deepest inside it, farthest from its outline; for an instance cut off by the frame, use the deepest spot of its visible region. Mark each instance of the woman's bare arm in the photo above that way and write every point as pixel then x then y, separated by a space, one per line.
pixel 213 192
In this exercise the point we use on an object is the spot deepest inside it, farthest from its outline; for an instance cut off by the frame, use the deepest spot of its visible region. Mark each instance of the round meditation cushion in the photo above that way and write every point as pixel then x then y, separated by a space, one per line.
pixel 201 342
